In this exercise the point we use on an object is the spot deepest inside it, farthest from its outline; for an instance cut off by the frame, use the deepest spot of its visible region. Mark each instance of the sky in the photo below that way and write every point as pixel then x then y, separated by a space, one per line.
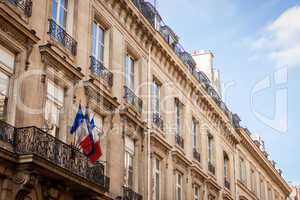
pixel 256 44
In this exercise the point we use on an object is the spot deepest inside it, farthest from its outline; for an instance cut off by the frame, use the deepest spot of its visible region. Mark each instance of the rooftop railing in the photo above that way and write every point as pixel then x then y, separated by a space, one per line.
pixel 57 33
pixel 24 5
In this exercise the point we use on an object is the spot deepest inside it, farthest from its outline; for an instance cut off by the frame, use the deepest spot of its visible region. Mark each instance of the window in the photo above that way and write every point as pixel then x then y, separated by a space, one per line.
pixel 4 84
pixel 194 133
pixel 243 177
pixel 98 42
pixel 129 72
pixel 156 97
pixel 157 178
pixel 98 119
pixel 270 194
pixel 262 190
pixel 210 148
pixel 54 105
pixel 60 12
pixel 178 186
pixel 196 192
pixel 226 168
pixel 253 181
pixel 178 114
pixel 129 160
pixel 7 62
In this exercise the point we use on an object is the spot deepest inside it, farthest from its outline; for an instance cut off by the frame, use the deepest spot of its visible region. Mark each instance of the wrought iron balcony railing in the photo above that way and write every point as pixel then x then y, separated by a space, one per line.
pixel 158 121
pixel 179 140
pixel 24 5
pixel 99 70
pixel 133 100
pixel 196 155
pixel 227 184
pixel 129 194
pixel 211 168
pixel 60 35
pixel 34 141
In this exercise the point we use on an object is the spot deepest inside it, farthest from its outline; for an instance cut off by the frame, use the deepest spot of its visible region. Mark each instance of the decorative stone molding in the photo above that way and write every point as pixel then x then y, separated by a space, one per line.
pixel 25 181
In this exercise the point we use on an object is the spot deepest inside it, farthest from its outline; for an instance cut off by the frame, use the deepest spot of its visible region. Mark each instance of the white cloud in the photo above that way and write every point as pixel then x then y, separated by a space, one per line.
pixel 281 39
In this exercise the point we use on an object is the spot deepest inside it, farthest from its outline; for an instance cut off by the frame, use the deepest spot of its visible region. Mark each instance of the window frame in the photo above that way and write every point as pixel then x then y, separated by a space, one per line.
pixel 51 100
pixel 194 133
pixel 179 186
pixel 196 192
pixel 130 72
pixel 59 9
pixel 157 174
pixel 211 147
pixel 178 117
pixel 156 95
pixel 98 44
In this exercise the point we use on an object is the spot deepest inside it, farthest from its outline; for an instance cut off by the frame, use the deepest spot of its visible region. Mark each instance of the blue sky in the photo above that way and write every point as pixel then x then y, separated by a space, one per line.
pixel 252 40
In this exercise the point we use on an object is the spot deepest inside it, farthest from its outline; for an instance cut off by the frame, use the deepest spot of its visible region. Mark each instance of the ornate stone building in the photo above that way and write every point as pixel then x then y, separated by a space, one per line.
pixel 166 132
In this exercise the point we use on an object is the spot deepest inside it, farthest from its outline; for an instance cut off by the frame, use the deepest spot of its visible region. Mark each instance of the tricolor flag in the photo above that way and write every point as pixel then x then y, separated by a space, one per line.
pixel 84 130
pixel 97 147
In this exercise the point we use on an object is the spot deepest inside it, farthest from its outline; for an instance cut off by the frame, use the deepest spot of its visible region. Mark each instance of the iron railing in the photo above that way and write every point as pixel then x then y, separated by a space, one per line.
pixel 129 194
pixel 158 121
pixel 133 100
pixel 211 168
pixel 99 70
pixel 196 155
pixel 179 140
pixel 6 132
pixel 34 141
pixel 60 35
pixel 227 184
pixel 24 5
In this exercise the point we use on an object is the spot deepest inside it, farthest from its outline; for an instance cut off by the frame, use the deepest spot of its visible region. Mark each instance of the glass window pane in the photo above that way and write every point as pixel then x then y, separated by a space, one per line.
pixel 54 10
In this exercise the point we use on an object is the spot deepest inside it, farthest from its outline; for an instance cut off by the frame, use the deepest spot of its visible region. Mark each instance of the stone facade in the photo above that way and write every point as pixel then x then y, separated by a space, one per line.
pixel 166 133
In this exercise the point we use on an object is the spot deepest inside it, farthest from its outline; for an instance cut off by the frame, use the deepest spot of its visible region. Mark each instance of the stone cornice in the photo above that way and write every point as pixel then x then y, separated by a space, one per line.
pixel 246 190
pixel 15 28
pixel 56 61
pixel 257 154
pixel 100 96
pixel 159 141
pixel 180 159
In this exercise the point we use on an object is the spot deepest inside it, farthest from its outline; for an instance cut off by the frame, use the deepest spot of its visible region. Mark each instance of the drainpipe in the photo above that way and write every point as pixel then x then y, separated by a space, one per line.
pixel 149 122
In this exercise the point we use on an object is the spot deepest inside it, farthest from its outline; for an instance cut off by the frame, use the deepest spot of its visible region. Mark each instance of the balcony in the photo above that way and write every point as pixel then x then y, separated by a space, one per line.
pixel 58 34
pixel 129 194
pixel 211 168
pixel 24 5
pixel 133 100
pixel 227 184
pixel 196 155
pixel 158 121
pixel 100 71
pixel 179 141
pixel 34 141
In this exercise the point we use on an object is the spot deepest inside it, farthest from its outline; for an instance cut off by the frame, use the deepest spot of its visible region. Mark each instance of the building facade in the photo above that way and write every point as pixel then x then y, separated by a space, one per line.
pixel 165 132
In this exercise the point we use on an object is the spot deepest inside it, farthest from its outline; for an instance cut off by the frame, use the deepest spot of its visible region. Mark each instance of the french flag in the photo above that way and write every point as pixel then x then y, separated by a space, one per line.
pixel 97 153
pixel 83 128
